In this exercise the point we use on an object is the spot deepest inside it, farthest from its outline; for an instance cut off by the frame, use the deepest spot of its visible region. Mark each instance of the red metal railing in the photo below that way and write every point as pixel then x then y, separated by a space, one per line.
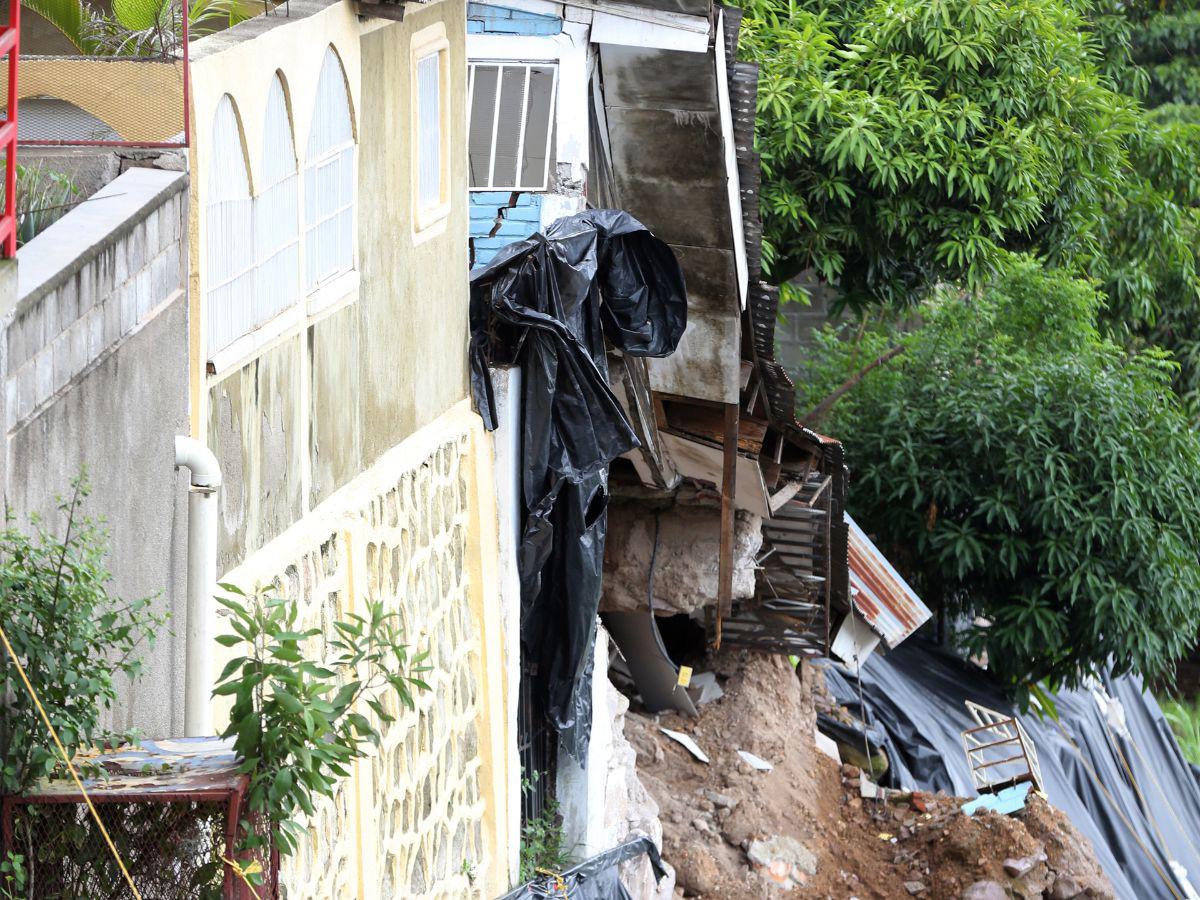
pixel 9 45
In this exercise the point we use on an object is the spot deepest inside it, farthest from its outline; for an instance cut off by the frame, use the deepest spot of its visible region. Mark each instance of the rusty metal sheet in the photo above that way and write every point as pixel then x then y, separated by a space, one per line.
pixel 882 596
pixel 172 766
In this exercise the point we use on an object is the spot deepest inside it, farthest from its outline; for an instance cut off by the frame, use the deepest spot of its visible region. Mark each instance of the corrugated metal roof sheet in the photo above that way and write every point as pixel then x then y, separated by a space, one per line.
pixel 883 598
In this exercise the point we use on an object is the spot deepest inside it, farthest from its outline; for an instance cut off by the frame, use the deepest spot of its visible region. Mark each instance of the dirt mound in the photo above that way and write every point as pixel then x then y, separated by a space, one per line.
pixel 802 828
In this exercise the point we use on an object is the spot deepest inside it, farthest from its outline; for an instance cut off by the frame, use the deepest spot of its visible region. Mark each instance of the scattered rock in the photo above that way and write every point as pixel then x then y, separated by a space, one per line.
pixel 914 887
pixel 1018 868
pixel 1065 888
pixel 721 801
pixel 784 860
pixel 985 890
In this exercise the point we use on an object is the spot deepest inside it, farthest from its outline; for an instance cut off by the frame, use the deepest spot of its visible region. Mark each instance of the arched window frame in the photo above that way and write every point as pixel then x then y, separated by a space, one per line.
pixel 329 187
pixel 229 231
pixel 277 210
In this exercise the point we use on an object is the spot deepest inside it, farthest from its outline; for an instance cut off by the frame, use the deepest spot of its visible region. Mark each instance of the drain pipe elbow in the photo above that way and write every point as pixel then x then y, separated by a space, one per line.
pixel 205 479
pixel 198 460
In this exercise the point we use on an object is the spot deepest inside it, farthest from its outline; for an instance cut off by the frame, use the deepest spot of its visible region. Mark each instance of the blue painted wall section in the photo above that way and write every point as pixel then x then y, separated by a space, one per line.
pixel 491 211
pixel 483 18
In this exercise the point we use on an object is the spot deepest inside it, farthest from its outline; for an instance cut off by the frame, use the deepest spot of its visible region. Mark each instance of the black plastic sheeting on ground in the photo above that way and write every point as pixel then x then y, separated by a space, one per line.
pixel 595 879
pixel 547 304
pixel 917 694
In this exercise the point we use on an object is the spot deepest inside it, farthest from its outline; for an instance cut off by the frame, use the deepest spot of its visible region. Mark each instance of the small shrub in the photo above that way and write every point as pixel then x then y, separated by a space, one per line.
pixel 73 639
pixel 543 845
pixel 294 721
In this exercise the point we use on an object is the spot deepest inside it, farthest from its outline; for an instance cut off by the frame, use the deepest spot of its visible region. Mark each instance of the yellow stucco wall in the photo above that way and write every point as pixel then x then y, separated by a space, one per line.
pixel 321 400
pixel 418 532
pixel 354 466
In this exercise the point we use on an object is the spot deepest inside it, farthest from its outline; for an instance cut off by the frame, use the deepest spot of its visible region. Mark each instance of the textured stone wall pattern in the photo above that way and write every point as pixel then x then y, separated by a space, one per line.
pixel 410 823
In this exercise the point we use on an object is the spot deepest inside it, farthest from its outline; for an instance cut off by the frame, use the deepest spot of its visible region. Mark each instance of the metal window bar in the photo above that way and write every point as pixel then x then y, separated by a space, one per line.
pixel 537 746
pixel 10 36
pixel 429 131
pixel 329 180
pixel 517 111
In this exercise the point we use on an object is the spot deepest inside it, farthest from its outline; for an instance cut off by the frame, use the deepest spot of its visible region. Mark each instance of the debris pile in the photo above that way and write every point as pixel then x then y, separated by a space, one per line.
pixel 771 815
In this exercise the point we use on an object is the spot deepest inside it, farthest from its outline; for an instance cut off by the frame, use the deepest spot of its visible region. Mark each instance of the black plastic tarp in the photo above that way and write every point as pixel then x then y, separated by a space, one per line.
pixel 548 304
pixel 917 694
pixel 595 879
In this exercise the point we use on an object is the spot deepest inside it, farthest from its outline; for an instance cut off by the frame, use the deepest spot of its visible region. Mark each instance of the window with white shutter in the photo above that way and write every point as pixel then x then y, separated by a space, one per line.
pixel 277 213
pixel 431 170
pixel 511 124
pixel 329 180
pixel 229 232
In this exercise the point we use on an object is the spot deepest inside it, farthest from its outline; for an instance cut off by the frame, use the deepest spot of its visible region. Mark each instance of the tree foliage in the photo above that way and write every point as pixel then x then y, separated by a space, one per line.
pixel 911 142
pixel 1023 468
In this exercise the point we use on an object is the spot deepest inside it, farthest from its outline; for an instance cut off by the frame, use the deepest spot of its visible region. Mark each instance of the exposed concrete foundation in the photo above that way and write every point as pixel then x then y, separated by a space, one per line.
pixel 685 570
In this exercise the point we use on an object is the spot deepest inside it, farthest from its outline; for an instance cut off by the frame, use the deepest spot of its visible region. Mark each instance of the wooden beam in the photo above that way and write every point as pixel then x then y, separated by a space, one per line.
pixel 728 495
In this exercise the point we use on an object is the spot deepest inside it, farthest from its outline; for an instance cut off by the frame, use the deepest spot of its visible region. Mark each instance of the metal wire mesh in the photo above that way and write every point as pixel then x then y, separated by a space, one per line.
pixel 101 100
pixel 172 850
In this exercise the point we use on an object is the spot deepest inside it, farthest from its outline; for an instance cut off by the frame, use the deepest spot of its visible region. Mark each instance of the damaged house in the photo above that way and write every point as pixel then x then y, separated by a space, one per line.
pixel 722 519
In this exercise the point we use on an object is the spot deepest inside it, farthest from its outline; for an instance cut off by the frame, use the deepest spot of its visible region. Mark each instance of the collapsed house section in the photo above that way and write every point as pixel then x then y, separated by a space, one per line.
pixel 741 505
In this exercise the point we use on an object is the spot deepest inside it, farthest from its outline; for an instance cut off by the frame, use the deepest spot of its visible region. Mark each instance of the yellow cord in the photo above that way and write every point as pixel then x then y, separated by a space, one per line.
pixel 243 872
pixel 62 750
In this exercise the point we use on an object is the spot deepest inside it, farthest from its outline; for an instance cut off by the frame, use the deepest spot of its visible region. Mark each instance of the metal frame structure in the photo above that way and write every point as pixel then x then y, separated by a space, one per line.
pixel 10 45
pixel 224 787
pixel 999 752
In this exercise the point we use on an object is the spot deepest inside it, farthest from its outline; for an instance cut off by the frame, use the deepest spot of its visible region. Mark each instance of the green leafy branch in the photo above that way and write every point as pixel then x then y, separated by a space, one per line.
pixel 296 723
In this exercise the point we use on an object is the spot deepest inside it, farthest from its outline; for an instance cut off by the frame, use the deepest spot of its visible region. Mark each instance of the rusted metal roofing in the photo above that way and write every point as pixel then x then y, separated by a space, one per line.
pixel 882 597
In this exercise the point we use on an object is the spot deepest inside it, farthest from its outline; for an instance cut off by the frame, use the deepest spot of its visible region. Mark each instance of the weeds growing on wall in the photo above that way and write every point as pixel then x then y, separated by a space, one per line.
pixel 74 640
pixel 543 845
pixel 296 722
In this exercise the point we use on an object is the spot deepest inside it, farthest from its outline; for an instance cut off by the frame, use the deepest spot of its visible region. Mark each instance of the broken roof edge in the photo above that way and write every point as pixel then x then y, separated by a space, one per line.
pixel 881 596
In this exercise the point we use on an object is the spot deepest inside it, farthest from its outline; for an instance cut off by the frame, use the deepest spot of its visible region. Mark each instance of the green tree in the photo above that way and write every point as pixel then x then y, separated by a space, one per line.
pixel 910 142
pixel 1022 468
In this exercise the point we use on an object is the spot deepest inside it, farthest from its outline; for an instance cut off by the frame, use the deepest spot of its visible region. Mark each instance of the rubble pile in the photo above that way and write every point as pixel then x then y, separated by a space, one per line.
pixel 733 829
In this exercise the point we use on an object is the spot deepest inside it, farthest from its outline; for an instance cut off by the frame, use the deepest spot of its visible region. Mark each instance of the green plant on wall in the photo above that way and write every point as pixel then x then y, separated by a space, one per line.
pixel 74 640
pixel 296 722
pixel 43 197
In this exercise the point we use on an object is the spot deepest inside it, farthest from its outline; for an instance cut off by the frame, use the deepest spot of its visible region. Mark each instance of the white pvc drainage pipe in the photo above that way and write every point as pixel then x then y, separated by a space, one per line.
pixel 201 582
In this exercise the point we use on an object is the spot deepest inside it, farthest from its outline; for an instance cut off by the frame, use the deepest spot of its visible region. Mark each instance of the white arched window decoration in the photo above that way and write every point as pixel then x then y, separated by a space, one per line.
pixel 229 231
pixel 277 214
pixel 329 180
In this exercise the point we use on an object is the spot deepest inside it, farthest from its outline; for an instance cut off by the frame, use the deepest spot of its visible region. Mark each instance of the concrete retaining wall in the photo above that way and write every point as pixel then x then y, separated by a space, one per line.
pixel 93 357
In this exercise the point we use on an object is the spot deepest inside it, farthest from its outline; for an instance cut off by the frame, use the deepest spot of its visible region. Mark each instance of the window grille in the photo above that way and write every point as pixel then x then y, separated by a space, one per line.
pixel 429 132
pixel 277 214
pixel 329 180
pixel 511 124
pixel 229 232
